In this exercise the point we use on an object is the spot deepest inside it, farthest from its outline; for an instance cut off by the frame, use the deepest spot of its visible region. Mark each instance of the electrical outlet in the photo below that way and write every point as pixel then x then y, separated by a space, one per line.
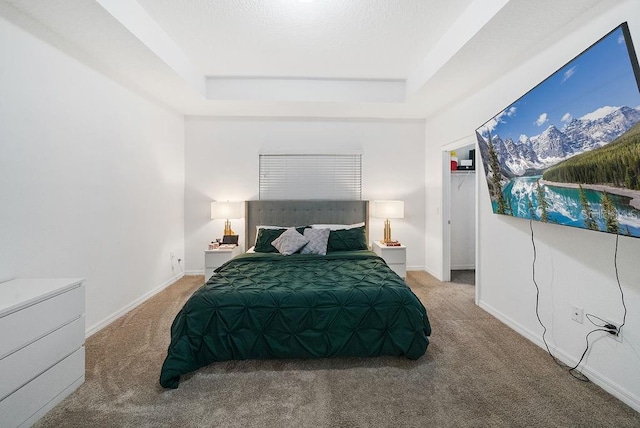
pixel 577 314
pixel 617 337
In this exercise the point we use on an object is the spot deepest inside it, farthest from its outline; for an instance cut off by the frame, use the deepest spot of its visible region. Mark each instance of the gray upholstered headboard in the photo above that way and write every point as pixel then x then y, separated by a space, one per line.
pixel 302 213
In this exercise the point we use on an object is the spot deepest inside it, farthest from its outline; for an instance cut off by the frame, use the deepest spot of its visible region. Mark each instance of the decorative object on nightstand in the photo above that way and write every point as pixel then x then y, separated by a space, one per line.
pixel 387 210
pixel 394 256
pixel 229 240
pixel 215 258
pixel 226 210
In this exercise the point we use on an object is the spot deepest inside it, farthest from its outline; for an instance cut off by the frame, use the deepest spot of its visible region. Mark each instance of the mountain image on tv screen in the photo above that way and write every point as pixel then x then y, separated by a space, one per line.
pixel 568 151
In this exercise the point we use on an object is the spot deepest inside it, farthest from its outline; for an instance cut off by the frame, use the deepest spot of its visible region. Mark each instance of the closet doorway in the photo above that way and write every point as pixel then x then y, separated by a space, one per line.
pixel 459 208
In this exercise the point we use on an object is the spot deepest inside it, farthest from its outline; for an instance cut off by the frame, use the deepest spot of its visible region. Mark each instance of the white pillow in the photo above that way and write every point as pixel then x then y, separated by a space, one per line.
pixel 318 240
pixel 336 226
pixel 289 242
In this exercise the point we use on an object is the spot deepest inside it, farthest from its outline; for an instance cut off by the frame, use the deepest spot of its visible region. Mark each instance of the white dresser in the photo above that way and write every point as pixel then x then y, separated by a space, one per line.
pixel 41 347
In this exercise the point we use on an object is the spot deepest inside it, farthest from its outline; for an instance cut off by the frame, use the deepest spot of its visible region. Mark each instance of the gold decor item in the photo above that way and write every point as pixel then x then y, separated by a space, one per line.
pixel 226 210
pixel 387 231
pixel 227 228
pixel 387 210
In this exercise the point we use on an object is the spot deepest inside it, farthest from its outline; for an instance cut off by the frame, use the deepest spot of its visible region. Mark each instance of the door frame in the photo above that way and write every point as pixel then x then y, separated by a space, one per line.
pixel 446 206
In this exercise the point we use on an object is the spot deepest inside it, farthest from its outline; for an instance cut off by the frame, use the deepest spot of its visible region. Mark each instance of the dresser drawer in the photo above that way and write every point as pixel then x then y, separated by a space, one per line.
pixel 22 327
pixel 22 366
pixel 35 398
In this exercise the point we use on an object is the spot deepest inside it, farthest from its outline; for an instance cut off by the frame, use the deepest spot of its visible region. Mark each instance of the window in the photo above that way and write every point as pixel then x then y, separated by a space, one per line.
pixel 311 176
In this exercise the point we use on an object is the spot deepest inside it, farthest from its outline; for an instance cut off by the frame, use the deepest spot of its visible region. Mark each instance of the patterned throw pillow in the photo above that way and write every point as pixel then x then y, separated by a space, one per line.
pixel 347 240
pixel 289 242
pixel 266 236
pixel 318 239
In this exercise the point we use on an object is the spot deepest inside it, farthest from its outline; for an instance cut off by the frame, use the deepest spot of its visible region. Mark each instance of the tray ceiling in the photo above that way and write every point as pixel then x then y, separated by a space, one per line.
pixel 324 58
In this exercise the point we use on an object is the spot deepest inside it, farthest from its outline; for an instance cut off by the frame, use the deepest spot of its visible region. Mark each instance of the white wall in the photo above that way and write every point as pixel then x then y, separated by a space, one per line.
pixel 574 267
pixel 92 178
pixel 222 164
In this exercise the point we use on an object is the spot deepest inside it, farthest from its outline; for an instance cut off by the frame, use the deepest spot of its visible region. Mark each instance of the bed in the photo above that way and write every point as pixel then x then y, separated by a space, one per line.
pixel 259 305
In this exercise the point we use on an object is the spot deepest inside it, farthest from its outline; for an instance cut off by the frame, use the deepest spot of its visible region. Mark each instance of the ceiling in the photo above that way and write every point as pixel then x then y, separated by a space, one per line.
pixel 353 39
pixel 324 58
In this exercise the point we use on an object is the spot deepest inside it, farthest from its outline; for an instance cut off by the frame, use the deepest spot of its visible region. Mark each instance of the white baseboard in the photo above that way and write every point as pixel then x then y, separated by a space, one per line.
pixel 433 273
pixel 111 318
pixel 193 272
pixel 463 267
pixel 420 268
pixel 596 377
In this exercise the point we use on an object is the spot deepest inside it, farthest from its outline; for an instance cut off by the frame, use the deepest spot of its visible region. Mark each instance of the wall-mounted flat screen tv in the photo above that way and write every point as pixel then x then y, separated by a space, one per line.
pixel 568 151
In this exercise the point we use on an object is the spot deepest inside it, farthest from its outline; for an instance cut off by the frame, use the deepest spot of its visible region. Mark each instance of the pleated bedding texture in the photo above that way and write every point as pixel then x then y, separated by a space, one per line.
pixel 257 306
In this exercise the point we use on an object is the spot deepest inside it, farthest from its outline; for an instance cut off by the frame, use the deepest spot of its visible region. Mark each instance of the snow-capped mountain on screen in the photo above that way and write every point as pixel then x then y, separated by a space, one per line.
pixel 532 154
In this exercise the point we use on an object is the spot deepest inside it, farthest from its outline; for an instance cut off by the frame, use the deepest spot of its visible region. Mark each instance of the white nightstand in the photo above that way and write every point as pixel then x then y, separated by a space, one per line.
pixel 213 259
pixel 396 257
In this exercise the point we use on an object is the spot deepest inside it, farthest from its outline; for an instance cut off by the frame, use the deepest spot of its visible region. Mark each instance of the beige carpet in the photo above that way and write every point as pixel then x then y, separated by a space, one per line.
pixel 464 276
pixel 476 373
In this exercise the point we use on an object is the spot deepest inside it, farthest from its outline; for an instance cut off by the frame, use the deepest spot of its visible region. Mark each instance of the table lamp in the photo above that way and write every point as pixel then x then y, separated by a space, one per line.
pixel 387 210
pixel 226 210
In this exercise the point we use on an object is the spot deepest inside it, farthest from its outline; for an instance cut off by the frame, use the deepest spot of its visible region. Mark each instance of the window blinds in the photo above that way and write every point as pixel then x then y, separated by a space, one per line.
pixel 311 176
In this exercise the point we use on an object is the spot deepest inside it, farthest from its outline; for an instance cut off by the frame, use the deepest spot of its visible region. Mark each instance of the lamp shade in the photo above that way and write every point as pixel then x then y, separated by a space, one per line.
pixel 226 210
pixel 388 209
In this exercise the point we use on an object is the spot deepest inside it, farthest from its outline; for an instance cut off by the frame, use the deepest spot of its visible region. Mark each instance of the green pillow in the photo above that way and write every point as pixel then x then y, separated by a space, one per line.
pixel 347 239
pixel 267 236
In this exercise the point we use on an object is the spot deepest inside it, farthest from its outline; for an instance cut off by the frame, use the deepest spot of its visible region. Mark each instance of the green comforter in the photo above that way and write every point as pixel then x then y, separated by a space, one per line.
pixel 301 306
